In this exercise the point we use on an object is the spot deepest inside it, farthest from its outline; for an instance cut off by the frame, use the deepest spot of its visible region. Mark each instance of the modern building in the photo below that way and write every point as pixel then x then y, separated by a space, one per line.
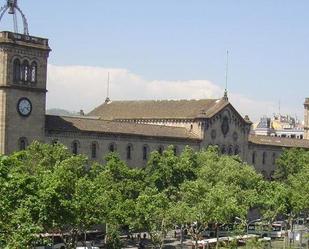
pixel 131 128
pixel 279 126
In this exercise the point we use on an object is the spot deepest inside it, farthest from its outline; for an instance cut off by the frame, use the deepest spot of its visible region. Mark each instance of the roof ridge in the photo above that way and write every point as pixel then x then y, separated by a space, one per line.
pixel 77 124
pixel 118 122
pixel 161 100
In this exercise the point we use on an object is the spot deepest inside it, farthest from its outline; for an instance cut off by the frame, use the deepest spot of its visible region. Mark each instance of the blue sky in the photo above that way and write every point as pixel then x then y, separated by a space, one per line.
pixel 183 40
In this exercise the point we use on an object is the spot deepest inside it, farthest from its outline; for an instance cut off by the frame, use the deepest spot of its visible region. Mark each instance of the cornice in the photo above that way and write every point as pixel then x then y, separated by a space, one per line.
pixel 24 88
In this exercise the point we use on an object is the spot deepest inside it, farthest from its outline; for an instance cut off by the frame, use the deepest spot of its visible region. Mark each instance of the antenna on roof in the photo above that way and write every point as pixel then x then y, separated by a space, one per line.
pixel 108 90
pixel 12 8
pixel 225 97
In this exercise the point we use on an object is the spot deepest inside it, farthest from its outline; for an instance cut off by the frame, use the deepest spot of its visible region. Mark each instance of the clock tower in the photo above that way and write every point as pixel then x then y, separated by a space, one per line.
pixel 23 73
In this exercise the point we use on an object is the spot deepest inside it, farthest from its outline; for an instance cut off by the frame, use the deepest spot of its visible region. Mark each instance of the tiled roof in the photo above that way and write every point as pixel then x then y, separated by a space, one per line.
pixel 92 125
pixel 161 109
pixel 279 141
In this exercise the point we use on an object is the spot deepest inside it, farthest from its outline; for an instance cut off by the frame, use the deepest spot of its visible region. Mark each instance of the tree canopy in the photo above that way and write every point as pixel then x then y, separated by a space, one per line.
pixel 46 189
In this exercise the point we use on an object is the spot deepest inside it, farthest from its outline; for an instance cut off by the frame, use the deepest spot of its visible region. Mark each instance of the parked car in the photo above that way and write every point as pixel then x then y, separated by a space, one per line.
pixel 276 230
pixel 88 246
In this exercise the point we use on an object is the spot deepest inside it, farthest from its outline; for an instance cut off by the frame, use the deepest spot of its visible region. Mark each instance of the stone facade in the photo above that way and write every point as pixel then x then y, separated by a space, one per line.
pixel 28 57
pixel 131 128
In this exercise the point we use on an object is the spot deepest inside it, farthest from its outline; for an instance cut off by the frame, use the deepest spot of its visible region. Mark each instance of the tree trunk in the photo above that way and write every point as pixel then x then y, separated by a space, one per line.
pixel 217 233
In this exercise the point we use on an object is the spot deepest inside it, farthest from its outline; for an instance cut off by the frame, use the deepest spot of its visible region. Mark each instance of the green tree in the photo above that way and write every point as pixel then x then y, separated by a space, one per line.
pixel 225 188
pixel 152 214
pixel 46 189
pixel 291 162
pixel 118 188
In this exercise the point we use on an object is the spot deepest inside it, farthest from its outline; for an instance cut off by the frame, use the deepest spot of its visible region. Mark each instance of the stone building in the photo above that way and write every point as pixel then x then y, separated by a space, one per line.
pixel 131 128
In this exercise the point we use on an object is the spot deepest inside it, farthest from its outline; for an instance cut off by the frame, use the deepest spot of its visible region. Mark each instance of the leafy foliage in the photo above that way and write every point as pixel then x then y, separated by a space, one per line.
pixel 47 189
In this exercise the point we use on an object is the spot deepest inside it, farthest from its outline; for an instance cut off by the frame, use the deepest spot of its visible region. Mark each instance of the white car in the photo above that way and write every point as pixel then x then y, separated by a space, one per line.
pixel 61 245
pixel 87 246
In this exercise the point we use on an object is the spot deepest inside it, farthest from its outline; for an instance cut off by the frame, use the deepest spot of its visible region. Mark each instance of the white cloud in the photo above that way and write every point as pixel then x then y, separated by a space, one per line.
pixel 81 87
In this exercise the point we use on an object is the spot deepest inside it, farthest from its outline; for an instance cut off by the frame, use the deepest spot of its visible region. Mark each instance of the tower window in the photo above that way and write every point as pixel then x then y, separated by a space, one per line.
pixel 75 146
pixel 23 143
pixel 145 152
pixel 129 151
pixel 16 71
pixel 25 71
pixel 34 69
pixel 94 150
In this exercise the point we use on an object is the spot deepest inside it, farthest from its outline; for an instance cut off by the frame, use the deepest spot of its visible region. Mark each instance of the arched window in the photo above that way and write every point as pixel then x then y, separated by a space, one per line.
pixel 25 71
pixel 161 149
pixel 223 150
pixel 253 157
pixel 236 151
pixel 75 146
pixel 34 69
pixel 230 152
pixel 94 148
pixel 112 147
pixel 264 157
pixel 129 151
pixel 175 150
pixel 54 141
pixel 264 174
pixel 16 71
pixel 145 152
pixel 22 143
pixel 274 158
pixel 272 175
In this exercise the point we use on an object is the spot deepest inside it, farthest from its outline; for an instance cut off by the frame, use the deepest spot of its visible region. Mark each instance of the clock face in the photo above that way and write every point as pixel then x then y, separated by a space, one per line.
pixel 24 107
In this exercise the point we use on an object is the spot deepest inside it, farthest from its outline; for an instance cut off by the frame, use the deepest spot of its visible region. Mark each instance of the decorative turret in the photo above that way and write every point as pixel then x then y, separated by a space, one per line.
pixel 225 97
